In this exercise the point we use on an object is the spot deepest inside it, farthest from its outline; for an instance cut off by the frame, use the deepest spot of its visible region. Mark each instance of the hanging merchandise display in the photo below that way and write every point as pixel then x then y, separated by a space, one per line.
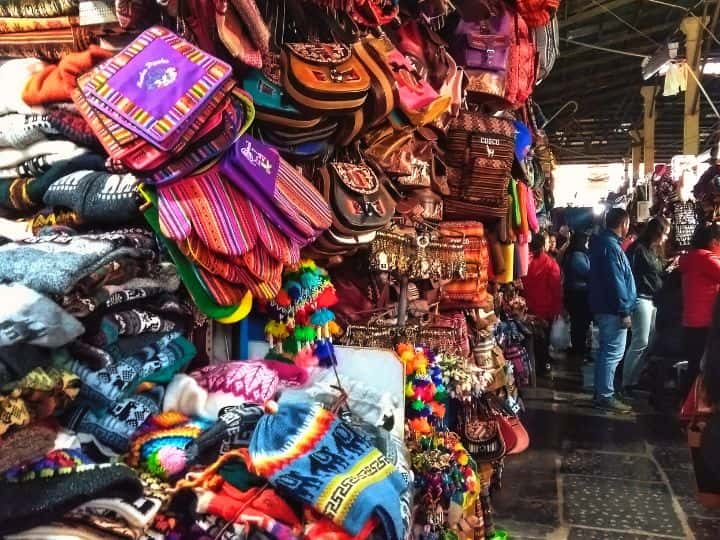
pixel 357 182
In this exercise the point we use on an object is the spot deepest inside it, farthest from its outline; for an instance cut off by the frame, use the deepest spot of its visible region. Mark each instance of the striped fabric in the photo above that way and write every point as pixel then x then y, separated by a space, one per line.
pixel 211 208
pixel 163 130
pixel 115 137
pixel 231 270
pixel 9 25
pixel 140 156
pixel 46 44
pixel 38 8
pixel 223 292
pixel 262 265
pixel 279 246
pixel 295 206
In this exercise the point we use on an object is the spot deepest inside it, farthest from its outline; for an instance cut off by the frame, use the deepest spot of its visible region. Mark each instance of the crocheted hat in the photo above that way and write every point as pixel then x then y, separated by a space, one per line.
pixel 206 391
pixel 159 447
pixel 307 451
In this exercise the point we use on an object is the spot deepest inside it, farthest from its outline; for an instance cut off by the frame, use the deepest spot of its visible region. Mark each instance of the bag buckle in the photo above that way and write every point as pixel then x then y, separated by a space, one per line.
pixel 335 75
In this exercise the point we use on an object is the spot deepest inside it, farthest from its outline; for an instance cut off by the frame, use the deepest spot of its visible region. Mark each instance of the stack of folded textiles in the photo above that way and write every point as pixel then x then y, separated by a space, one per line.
pixel 47 29
pixel 212 204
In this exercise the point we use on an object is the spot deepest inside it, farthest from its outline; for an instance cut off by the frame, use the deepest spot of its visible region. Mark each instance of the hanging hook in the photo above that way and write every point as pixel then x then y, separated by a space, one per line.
pixel 554 116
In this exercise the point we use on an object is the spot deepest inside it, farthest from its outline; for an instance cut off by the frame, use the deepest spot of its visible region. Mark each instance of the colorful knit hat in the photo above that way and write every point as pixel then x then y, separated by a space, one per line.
pixel 303 325
pixel 159 447
pixel 308 452
pixel 206 391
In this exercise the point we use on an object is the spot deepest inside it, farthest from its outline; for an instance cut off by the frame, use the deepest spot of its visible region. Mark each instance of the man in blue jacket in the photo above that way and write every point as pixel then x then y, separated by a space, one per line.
pixel 612 299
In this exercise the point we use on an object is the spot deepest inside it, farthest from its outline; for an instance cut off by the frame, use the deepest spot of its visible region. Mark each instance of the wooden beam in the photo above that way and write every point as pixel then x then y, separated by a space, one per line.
pixel 648 94
pixel 593 12
pixel 691 27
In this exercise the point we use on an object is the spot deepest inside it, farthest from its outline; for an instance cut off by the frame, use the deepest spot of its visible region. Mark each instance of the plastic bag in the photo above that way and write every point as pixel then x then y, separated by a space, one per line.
pixel 560 334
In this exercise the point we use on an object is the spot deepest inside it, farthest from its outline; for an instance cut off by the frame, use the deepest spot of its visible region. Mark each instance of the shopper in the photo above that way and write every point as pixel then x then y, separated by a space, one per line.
pixel 645 255
pixel 700 268
pixel 612 299
pixel 576 273
pixel 543 284
pixel 705 458
pixel 542 288
pixel 552 245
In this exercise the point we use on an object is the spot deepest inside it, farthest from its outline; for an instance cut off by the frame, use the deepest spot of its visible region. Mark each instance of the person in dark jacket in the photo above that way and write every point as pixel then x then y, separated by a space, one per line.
pixel 648 271
pixel 576 272
pixel 612 300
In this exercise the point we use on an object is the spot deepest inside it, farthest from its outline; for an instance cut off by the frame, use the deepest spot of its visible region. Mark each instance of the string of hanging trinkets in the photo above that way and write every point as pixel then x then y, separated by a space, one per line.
pixel 302 325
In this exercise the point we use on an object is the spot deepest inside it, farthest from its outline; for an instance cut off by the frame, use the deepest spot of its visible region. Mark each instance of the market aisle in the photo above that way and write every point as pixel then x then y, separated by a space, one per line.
pixel 595 476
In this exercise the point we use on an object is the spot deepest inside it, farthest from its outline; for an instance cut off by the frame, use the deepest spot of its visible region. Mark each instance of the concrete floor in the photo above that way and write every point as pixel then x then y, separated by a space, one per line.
pixel 595 476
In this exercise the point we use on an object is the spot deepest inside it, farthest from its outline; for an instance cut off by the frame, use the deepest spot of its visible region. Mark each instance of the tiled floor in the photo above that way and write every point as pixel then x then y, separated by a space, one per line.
pixel 595 476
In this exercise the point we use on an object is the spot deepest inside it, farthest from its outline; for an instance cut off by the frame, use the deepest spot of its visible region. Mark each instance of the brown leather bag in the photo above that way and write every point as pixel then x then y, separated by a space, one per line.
pixel 383 89
pixel 360 203
pixel 324 77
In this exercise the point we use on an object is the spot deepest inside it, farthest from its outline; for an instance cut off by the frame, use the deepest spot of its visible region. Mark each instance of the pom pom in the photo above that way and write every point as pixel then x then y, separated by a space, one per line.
pixel 420 426
pixel 322 316
pixel 325 352
pixel 294 290
pixel 304 334
pixel 276 329
pixel 310 280
pixel 327 298
pixel 305 358
pixel 334 328
pixel 282 298
pixel 172 460
pixel 308 264
pixel 301 315
pixel 270 407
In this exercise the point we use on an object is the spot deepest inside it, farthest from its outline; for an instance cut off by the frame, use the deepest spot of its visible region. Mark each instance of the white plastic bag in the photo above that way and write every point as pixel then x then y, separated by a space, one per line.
pixel 560 334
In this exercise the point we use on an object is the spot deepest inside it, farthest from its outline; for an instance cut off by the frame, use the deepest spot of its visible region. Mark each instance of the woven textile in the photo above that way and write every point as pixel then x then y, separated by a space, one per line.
pixel 176 80
pixel 210 207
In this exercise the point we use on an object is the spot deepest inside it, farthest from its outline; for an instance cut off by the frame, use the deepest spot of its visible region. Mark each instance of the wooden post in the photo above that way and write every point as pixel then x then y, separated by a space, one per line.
pixel 648 94
pixel 690 26
pixel 636 155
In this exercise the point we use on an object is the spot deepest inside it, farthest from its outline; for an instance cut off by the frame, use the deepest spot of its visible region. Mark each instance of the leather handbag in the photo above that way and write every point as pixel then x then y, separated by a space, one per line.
pixel 516 437
pixel 481 432
pixel 391 149
pixel 357 196
pixel 324 77
pixel 273 106
pixel 484 44
pixel 291 136
pixel 383 89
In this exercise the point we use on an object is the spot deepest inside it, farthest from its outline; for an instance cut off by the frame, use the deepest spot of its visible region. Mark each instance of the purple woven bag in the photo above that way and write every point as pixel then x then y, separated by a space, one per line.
pixel 157 85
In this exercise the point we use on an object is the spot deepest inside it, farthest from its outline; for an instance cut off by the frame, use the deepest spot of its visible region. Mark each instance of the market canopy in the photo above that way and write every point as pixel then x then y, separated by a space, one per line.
pixel 605 83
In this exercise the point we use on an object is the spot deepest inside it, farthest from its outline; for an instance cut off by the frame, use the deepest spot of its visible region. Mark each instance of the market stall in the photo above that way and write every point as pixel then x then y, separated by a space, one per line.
pixel 256 264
